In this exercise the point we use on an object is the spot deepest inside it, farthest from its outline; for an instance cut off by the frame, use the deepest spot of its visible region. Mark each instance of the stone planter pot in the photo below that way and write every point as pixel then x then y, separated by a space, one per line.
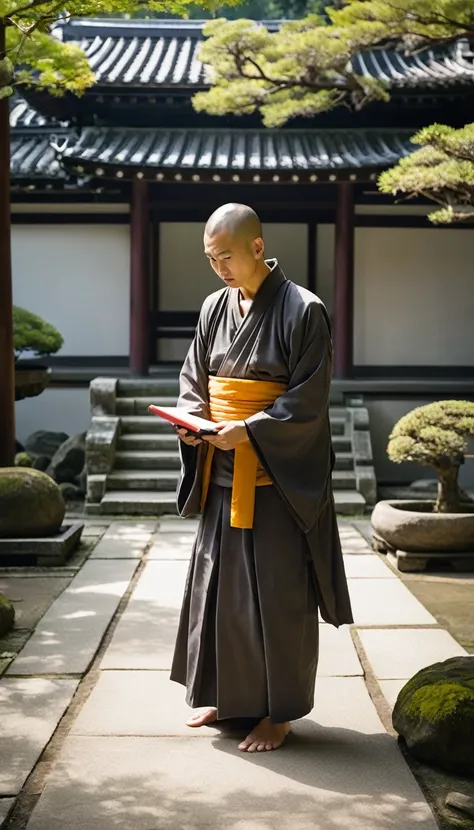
pixel 412 526
pixel 30 380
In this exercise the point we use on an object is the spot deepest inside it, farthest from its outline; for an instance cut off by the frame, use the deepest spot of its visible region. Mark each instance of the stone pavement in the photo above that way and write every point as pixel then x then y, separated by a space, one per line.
pixel 94 678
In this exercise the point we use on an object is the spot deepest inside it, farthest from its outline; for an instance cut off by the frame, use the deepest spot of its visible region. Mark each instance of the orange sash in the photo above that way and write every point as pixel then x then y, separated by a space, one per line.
pixel 235 399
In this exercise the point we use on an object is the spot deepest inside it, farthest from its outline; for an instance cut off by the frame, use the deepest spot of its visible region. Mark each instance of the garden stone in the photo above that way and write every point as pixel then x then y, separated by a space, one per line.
pixel 7 615
pixel 68 462
pixel 41 462
pixel 23 459
pixel 31 503
pixel 44 442
pixel 69 491
pixel 434 714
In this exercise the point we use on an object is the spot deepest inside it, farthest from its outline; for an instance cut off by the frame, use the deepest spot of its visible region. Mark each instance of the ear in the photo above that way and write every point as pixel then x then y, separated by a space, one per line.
pixel 258 247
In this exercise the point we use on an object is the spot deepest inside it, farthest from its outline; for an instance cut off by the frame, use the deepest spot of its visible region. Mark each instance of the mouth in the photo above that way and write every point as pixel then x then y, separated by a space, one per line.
pixel 228 279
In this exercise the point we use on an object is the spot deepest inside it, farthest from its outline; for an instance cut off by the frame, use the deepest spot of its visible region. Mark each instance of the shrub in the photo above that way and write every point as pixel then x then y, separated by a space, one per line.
pixel 436 436
pixel 32 333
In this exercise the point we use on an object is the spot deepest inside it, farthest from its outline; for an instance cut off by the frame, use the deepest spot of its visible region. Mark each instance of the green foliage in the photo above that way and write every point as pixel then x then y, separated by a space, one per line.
pixel 436 436
pixel 256 10
pixel 442 170
pixel 429 434
pixel 416 23
pixel 23 459
pixel 32 333
pixel 42 59
pixel 303 69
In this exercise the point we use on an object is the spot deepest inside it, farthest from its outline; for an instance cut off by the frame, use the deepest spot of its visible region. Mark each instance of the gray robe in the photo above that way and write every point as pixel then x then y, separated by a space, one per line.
pixel 247 641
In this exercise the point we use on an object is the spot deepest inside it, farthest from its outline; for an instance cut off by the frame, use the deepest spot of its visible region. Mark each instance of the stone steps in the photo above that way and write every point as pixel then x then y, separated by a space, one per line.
pixel 145 459
pixel 145 423
pixel 131 442
pixel 148 459
pixel 139 502
pixel 166 479
pixel 157 503
pixel 143 480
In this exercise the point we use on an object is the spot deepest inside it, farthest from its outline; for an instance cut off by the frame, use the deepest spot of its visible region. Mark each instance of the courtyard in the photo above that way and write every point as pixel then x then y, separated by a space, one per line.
pixel 93 732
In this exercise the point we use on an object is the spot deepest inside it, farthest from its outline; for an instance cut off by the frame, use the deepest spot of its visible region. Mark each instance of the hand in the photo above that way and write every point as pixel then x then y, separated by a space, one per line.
pixel 231 433
pixel 187 438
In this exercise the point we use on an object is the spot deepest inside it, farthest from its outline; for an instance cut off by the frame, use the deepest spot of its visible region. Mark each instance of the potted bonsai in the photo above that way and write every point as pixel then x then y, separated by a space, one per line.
pixel 34 336
pixel 435 435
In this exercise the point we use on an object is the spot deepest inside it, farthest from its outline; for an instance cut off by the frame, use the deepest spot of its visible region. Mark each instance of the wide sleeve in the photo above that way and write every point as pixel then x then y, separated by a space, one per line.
pixel 292 437
pixel 194 397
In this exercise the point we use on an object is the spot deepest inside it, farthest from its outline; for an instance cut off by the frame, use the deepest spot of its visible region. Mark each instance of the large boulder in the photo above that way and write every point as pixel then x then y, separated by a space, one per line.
pixel 31 503
pixel 68 462
pixel 44 442
pixel 7 615
pixel 434 714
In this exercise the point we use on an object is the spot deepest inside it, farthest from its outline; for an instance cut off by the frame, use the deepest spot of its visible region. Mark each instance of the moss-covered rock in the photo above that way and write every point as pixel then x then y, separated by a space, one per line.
pixel 434 714
pixel 31 503
pixel 22 459
pixel 7 615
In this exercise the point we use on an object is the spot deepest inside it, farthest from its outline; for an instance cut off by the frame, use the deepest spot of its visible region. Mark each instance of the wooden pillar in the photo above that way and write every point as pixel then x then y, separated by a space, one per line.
pixel 139 279
pixel 344 282
pixel 7 370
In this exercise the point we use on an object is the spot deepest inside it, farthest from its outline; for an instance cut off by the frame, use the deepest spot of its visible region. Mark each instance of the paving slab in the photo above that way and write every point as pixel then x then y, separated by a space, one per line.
pixel 31 709
pixel 367 567
pixel 5 806
pixel 174 524
pixel 171 546
pixel 323 779
pixel 146 633
pixel 120 548
pixel 70 632
pixel 337 653
pixel 391 689
pixel 401 653
pixel 377 602
pixel 355 545
pixel 136 531
pixel 32 595
pixel 149 703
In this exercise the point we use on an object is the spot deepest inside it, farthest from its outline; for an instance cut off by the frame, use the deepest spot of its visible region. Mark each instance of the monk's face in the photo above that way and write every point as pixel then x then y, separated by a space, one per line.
pixel 234 258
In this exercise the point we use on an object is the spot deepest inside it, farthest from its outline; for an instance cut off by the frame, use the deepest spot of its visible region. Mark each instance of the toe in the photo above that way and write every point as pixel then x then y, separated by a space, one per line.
pixel 269 746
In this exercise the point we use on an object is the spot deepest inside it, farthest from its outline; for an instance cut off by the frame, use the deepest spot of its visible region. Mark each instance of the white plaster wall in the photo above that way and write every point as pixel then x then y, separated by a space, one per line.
pixel 60 409
pixel 77 278
pixel 186 277
pixel 325 265
pixel 384 414
pixel 414 297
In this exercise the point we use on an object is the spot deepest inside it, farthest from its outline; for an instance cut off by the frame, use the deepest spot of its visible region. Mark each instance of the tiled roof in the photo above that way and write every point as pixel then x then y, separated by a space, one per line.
pixel 153 53
pixel 264 152
pixel 33 157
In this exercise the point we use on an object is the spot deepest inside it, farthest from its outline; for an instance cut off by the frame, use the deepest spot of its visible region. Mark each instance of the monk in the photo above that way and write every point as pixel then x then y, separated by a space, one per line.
pixel 267 555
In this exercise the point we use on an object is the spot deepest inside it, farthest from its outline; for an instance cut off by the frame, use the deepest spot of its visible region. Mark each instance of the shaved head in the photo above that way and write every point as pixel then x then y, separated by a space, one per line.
pixel 234 246
pixel 236 221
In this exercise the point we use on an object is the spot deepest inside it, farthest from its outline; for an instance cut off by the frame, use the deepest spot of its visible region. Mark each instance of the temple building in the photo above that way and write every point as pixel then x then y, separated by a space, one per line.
pixel 110 192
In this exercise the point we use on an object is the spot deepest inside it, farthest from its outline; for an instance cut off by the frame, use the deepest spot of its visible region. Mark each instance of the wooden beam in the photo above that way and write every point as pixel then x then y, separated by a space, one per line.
pixel 7 369
pixel 344 282
pixel 139 279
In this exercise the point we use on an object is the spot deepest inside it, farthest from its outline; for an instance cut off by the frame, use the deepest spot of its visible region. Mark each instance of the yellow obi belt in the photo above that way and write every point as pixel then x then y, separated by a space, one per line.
pixel 236 399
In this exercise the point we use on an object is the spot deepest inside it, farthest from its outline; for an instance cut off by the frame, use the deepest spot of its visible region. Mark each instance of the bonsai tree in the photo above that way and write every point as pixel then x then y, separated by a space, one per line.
pixel 33 334
pixel 436 436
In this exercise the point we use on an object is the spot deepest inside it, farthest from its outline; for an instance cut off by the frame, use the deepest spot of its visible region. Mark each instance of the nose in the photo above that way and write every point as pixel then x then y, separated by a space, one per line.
pixel 223 270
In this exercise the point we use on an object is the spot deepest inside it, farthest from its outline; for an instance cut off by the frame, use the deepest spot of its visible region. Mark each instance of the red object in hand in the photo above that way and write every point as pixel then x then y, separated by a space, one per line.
pixel 180 418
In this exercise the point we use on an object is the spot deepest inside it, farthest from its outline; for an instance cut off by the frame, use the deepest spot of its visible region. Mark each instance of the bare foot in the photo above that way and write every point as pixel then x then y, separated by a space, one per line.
pixel 203 718
pixel 265 736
